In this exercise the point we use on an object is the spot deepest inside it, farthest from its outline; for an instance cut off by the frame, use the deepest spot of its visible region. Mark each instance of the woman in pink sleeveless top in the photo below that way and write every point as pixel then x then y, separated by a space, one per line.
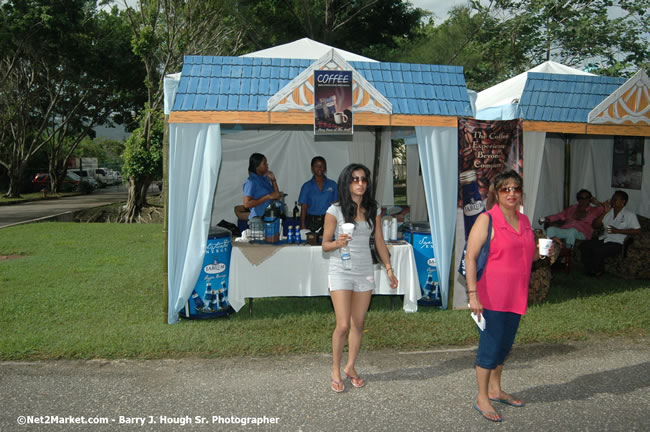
pixel 501 296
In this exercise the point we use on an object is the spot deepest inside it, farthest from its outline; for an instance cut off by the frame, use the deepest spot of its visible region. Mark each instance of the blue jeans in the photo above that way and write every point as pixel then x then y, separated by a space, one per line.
pixel 496 340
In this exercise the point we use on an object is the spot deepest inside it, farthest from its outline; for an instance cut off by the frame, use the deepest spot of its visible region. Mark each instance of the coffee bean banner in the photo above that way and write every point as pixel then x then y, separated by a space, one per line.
pixel 488 148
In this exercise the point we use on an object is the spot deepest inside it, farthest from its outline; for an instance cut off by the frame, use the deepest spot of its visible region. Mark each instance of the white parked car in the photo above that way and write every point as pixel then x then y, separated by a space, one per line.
pixel 105 175
pixel 86 177
pixel 112 176
pixel 118 176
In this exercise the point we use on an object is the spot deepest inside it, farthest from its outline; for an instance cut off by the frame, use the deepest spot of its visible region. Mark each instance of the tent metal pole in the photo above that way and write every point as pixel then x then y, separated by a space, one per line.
pixel 165 297
pixel 567 170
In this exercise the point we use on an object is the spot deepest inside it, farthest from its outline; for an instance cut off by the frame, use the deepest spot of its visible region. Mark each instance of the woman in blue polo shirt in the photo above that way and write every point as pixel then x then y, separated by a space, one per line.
pixel 260 187
pixel 316 195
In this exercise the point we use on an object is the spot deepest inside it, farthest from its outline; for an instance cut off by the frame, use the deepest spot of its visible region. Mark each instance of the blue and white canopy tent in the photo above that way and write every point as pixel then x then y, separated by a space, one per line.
pixel 222 109
pixel 578 113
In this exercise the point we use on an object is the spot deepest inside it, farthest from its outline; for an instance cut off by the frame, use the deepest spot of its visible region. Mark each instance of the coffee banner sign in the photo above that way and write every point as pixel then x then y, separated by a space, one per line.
pixel 332 102
pixel 485 148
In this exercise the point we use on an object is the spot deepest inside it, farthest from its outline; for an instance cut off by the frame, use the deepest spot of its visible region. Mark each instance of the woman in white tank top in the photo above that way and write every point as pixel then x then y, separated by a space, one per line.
pixel 351 289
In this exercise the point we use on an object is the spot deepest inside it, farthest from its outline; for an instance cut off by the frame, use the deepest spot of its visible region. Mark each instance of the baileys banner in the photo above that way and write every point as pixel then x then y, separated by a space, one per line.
pixel 485 148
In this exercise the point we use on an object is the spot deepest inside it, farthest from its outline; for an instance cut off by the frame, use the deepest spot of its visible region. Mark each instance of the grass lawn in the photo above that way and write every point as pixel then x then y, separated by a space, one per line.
pixel 95 291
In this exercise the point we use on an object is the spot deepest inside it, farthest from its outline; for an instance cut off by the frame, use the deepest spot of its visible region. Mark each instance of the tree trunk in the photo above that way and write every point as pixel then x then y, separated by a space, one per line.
pixel 137 199
pixel 15 180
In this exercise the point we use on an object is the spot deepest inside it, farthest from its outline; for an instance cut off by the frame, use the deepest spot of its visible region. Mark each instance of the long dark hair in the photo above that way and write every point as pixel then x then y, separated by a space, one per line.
pixel 254 161
pixel 349 207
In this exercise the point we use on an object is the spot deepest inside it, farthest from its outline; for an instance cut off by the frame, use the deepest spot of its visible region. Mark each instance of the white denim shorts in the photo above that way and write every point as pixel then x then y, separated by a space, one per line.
pixel 351 283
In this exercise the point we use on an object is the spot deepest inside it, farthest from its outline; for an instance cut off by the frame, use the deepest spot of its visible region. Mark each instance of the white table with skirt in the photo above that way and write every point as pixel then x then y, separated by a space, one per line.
pixel 258 271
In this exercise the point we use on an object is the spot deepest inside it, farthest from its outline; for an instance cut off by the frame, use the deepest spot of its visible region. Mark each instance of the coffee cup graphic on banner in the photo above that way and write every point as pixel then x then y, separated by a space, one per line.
pixel 340 118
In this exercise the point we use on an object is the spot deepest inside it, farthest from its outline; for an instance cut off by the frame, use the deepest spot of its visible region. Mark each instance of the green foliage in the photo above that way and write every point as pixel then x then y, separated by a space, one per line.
pixel 62 71
pixel 604 33
pixel 107 151
pixel 504 38
pixel 103 299
pixel 142 156
pixel 465 39
pixel 366 27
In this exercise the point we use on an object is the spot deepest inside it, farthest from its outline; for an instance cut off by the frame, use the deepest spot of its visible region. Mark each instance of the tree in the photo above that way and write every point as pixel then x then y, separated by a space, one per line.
pixel 367 27
pixel 103 94
pixel 471 40
pixel 163 31
pixel 62 73
pixel 499 39
pixel 610 37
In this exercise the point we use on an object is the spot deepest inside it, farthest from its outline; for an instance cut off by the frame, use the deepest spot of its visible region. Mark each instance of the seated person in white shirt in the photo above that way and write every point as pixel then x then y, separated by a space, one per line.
pixel 618 223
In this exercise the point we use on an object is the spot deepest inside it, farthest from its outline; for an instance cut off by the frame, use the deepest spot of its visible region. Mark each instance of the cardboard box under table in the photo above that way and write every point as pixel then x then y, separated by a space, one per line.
pixel 258 271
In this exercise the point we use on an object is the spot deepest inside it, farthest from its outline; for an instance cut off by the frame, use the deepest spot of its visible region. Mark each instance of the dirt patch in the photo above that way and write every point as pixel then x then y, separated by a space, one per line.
pixel 10 257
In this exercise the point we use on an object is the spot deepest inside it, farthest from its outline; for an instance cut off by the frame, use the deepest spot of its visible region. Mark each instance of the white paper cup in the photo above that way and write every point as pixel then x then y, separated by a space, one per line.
pixel 347 228
pixel 545 246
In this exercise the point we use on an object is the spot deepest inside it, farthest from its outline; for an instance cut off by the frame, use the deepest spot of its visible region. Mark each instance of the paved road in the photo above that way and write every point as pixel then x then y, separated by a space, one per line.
pixel 571 386
pixel 34 211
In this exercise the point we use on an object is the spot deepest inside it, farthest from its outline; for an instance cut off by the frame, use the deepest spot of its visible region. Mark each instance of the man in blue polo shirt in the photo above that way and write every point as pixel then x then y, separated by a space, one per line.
pixel 260 187
pixel 316 195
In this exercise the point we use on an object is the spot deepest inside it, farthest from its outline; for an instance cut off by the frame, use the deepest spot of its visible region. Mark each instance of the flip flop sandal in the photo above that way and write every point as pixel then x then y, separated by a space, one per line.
pixel 510 402
pixel 485 414
pixel 337 386
pixel 356 381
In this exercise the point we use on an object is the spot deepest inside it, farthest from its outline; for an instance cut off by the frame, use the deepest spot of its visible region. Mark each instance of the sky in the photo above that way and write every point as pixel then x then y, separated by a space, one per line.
pixel 439 7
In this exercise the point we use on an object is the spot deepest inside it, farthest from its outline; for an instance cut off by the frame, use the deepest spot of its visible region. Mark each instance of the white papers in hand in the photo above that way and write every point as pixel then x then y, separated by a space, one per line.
pixel 480 324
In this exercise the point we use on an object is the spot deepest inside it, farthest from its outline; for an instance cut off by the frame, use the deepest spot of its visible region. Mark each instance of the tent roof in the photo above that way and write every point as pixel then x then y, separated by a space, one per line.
pixel 305 48
pixel 245 84
pixel 511 89
pixel 564 98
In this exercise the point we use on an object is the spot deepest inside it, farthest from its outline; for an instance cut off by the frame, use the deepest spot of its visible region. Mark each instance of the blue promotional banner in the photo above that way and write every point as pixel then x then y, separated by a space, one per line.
pixel 209 298
pixel 333 102
pixel 419 235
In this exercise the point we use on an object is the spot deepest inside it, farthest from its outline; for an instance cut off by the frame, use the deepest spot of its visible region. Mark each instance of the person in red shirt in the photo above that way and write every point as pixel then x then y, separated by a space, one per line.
pixel 575 222
pixel 500 297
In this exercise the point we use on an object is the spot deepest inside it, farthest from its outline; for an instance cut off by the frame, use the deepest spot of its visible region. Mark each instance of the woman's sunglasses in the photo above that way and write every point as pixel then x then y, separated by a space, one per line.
pixel 362 179
pixel 507 190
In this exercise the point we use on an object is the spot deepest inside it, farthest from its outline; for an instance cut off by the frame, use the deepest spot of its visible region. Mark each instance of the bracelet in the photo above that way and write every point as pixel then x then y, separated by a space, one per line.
pixel 389 269
pixel 470 292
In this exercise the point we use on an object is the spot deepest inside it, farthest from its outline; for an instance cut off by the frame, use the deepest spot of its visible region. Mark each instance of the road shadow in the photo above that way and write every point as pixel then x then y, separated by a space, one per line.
pixel 521 358
pixel 616 381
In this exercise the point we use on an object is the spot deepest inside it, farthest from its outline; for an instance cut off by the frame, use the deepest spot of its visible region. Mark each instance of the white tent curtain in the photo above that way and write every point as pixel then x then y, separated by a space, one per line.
pixel 363 151
pixel 591 168
pixel 551 180
pixel 170 85
pixel 194 160
pixel 289 152
pixel 415 185
pixel 438 148
pixel 533 155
